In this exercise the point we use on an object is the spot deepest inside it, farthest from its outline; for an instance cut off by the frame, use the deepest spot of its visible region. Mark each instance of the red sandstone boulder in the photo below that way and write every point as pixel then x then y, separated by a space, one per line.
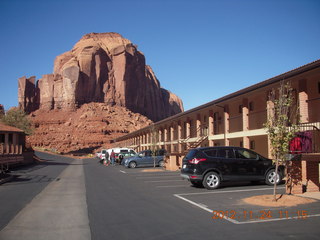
pixel 89 127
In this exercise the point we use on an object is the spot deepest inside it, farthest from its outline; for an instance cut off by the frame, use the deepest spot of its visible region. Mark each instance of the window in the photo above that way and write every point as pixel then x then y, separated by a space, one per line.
pixel 10 138
pixel 225 153
pixel 216 117
pixel 319 87
pixel 251 106
pixel 244 154
pixel 191 153
pixel 142 154
pixel 252 144
pixel 240 108
pixel 211 153
pixel 2 138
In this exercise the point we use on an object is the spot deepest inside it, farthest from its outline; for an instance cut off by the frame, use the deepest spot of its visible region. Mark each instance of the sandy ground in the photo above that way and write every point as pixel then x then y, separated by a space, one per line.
pixel 282 200
pixel 153 170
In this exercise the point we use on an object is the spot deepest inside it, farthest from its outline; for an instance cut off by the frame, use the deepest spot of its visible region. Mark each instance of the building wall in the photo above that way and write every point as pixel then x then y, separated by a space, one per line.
pixel 313 90
pixel 236 119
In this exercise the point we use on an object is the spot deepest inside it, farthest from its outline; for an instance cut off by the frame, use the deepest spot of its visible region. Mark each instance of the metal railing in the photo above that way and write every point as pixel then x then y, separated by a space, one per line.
pixel 307 139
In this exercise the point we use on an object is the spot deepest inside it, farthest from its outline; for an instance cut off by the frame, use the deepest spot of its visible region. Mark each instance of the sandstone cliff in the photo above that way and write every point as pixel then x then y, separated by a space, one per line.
pixel 105 68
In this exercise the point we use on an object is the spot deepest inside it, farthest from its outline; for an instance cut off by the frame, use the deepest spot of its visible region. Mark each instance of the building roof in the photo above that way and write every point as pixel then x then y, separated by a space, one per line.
pixel 6 128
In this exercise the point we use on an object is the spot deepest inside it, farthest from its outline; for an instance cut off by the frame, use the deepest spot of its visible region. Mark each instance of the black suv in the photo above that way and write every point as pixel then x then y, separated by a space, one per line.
pixel 209 166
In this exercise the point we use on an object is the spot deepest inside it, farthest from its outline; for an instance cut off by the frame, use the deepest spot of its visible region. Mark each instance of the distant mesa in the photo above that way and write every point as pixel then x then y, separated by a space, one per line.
pixel 102 68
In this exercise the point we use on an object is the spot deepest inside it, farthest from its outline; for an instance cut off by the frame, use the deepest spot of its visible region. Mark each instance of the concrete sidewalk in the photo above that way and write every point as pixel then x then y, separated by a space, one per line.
pixel 314 195
pixel 58 212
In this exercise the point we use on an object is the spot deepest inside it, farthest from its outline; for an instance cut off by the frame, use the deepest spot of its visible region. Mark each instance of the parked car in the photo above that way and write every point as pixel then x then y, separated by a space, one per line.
pixel 120 153
pixel 101 154
pixel 209 166
pixel 123 154
pixel 146 159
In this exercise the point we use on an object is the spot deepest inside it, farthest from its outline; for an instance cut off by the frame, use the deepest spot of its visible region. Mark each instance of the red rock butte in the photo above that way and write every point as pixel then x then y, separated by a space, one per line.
pixel 103 68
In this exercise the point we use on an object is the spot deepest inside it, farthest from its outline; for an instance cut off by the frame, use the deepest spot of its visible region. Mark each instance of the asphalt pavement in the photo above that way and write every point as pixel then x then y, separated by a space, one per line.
pixel 28 182
pixel 82 199
pixel 148 205
pixel 59 211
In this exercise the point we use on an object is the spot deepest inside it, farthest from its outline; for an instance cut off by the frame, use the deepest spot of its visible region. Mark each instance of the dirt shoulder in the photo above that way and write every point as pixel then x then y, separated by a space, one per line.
pixel 283 200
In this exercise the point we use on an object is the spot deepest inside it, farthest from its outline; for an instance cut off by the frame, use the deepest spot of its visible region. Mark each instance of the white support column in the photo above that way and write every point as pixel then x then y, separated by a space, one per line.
pixel 171 129
pixel 270 113
pixel 188 129
pixel 179 129
pixel 226 124
pixel 303 101
pixel 198 124
pixel 210 127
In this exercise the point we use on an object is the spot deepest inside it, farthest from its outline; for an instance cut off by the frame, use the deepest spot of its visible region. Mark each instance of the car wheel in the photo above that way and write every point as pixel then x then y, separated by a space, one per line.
pixel 211 180
pixel 161 163
pixel 132 164
pixel 271 177
pixel 196 183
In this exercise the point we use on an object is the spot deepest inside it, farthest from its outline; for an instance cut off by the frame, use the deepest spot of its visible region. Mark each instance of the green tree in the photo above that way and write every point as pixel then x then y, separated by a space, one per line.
pixel 154 137
pixel 282 124
pixel 15 117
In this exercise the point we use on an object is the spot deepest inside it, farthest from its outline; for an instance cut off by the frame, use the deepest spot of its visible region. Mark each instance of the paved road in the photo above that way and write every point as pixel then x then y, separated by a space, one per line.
pixel 91 201
pixel 29 182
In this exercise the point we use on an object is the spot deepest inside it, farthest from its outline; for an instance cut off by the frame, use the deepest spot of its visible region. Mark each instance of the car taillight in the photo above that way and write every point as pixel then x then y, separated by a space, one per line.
pixel 197 160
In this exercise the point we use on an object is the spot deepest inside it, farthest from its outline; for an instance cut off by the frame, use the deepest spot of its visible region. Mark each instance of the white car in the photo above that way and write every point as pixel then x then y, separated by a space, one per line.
pixel 119 152
pixel 101 154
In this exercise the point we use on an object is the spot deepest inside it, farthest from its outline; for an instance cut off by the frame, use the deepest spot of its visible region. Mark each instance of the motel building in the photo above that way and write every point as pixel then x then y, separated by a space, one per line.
pixel 13 150
pixel 12 142
pixel 238 119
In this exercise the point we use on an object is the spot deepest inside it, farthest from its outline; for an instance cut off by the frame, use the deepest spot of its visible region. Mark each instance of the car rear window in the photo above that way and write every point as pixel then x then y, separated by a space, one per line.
pixel 191 154
pixel 211 152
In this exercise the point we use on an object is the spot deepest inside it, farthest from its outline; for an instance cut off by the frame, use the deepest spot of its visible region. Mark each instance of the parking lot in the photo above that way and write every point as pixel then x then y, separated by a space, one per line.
pixel 225 203
pixel 150 203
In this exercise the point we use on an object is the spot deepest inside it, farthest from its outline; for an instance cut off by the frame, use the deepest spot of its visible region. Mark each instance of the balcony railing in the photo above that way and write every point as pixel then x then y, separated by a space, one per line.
pixel 307 140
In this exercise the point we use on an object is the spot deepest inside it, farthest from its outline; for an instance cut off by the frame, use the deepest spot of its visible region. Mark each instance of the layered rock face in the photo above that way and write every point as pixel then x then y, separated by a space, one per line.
pixel 105 68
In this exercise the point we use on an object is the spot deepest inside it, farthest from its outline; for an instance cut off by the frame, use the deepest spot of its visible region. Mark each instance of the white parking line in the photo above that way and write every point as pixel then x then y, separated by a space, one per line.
pixel 148 177
pixel 278 219
pixel 173 186
pixel 204 207
pixel 165 181
pixel 217 191
pixel 131 171
pixel 122 171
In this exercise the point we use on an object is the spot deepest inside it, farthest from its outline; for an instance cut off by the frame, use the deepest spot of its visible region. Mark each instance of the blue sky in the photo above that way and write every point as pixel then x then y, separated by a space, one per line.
pixel 200 50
